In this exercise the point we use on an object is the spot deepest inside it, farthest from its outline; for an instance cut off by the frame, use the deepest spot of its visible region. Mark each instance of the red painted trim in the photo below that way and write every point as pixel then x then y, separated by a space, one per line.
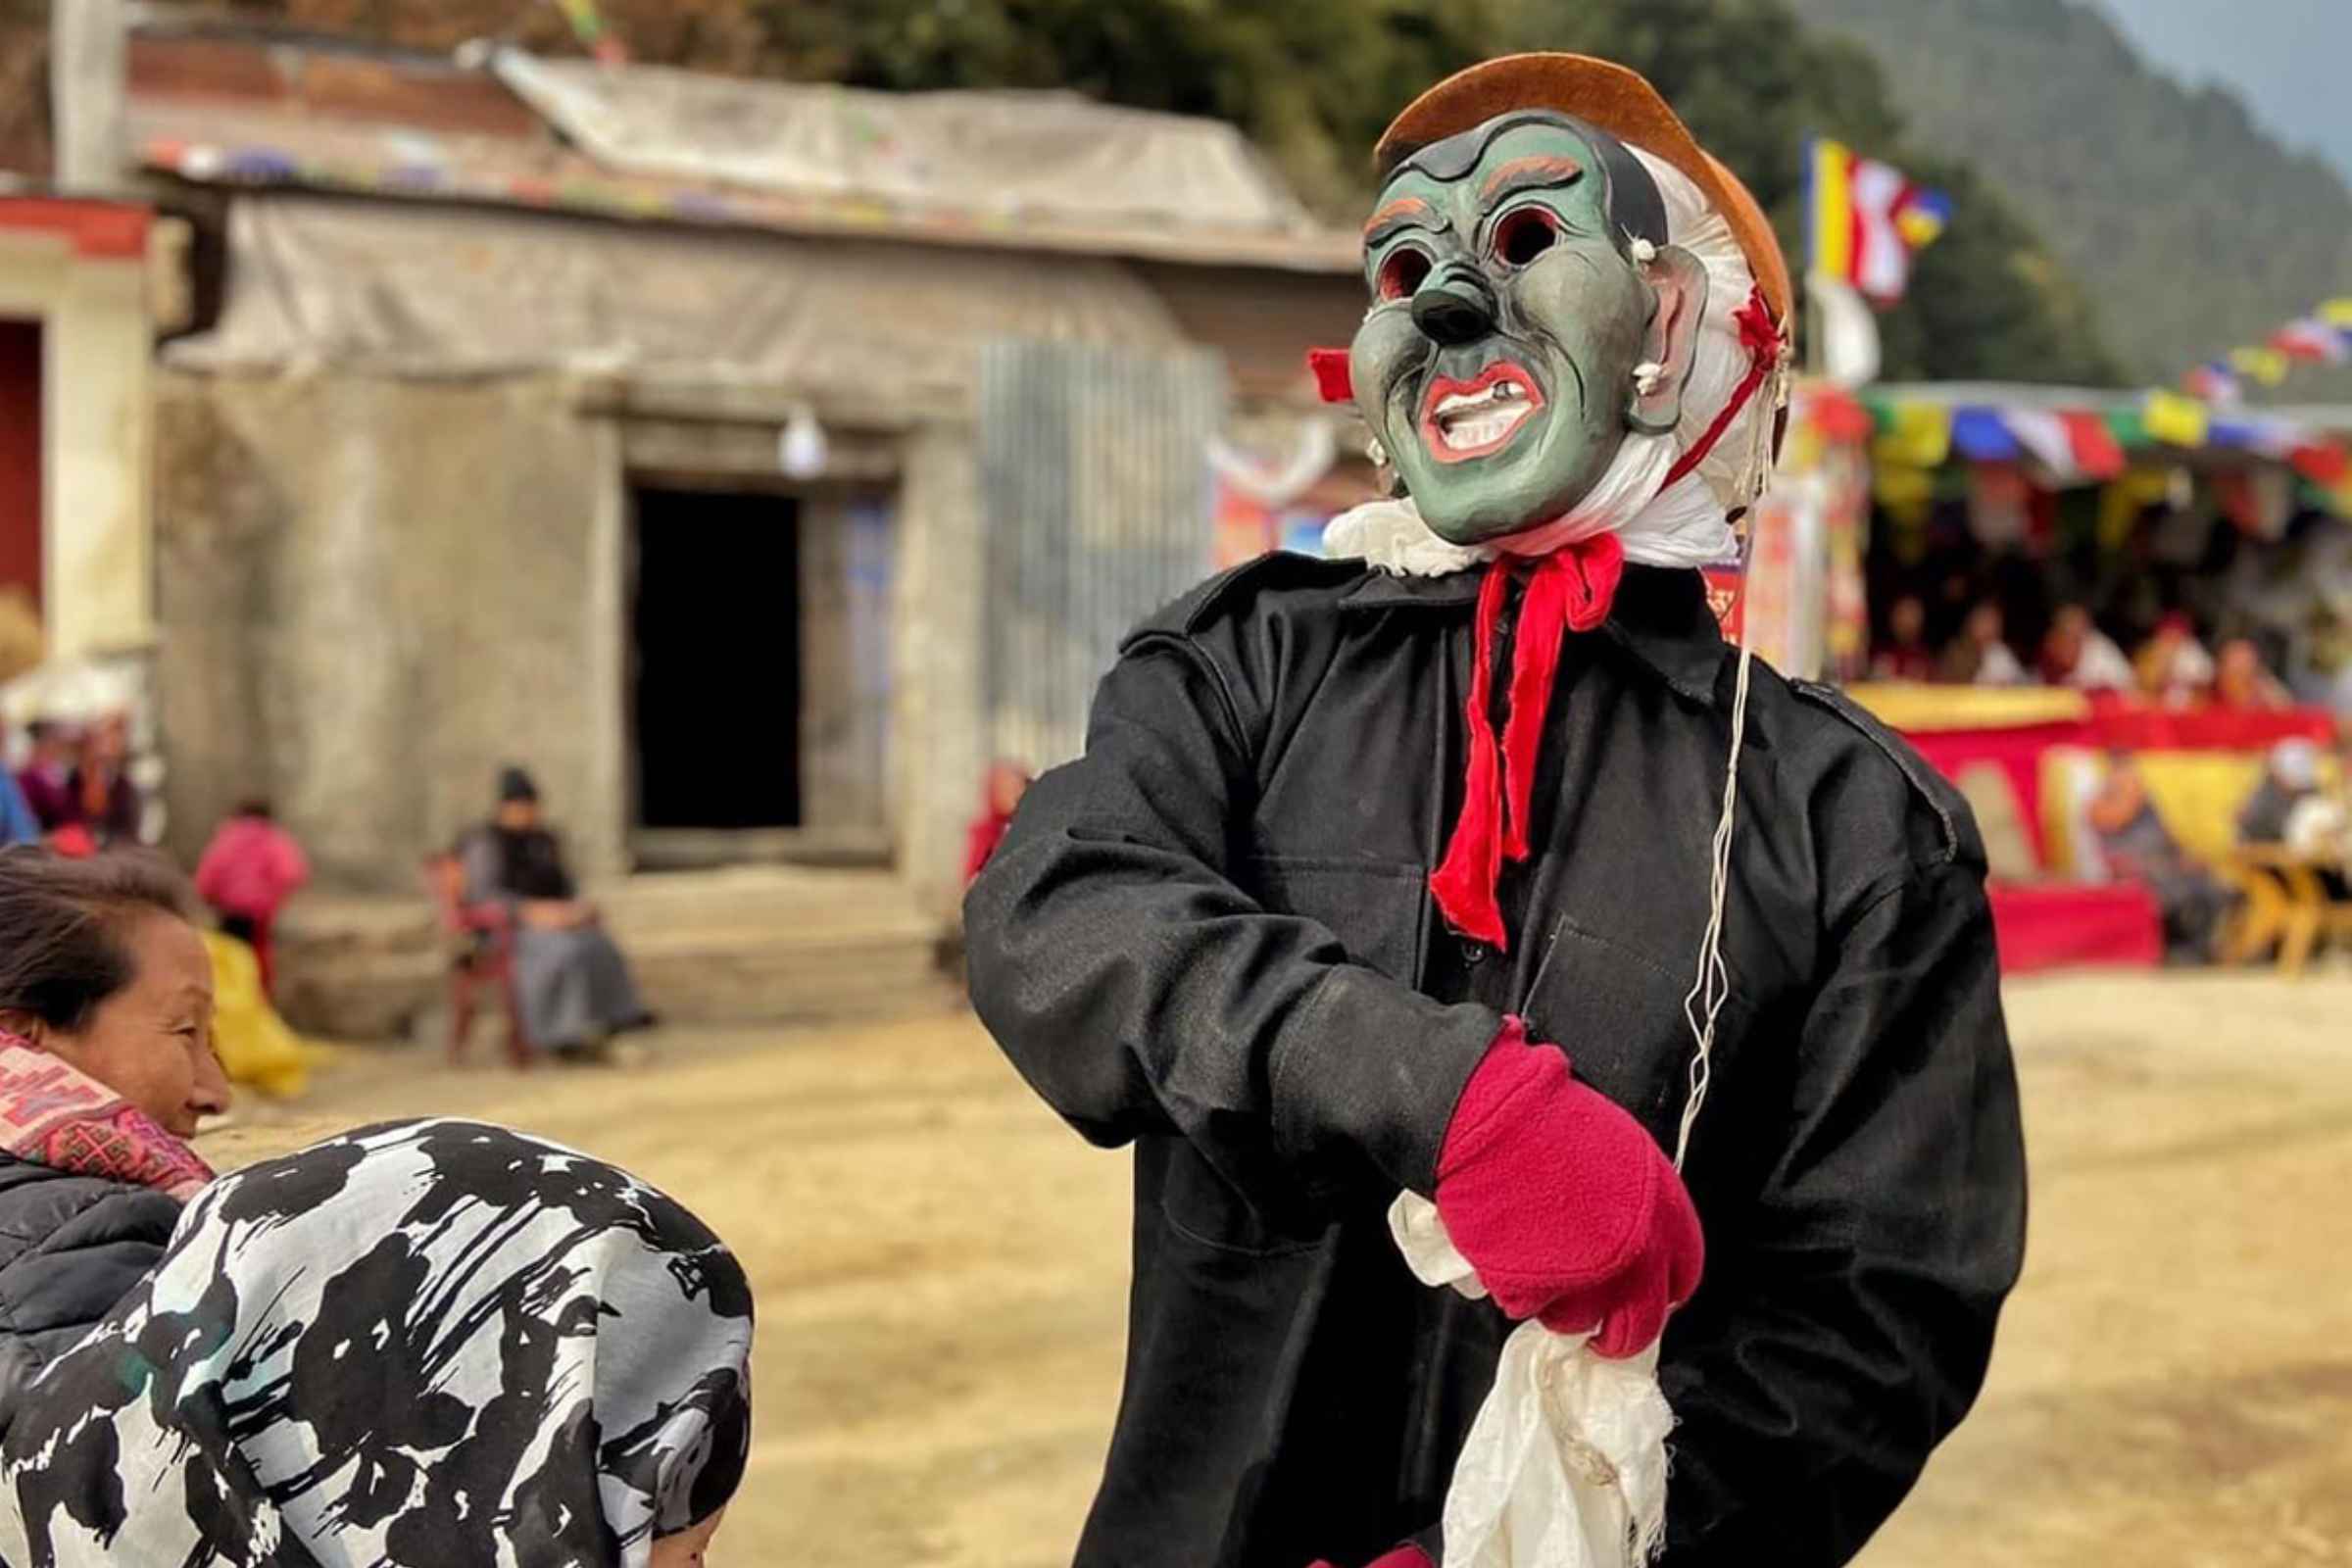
pixel 98 231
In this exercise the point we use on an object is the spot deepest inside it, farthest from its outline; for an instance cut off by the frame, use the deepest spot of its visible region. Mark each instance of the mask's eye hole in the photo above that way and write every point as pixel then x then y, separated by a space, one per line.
pixel 1402 274
pixel 1525 235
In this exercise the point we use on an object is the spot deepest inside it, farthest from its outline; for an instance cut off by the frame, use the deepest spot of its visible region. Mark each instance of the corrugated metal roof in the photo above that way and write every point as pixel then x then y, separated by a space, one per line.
pixel 1050 171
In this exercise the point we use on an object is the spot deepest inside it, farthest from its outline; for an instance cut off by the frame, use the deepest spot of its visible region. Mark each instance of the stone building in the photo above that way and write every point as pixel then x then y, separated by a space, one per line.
pixel 753 461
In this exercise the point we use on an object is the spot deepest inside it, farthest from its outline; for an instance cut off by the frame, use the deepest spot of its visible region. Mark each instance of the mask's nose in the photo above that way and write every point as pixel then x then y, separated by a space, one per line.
pixel 1454 304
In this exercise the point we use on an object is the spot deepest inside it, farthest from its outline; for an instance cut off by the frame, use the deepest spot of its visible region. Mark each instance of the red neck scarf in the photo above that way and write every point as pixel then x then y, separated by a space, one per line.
pixel 1568 591
pixel 56 1115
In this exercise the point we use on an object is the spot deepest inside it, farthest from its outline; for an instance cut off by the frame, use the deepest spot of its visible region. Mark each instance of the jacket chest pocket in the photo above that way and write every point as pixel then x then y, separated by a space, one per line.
pixel 1618 1013
pixel 1375 908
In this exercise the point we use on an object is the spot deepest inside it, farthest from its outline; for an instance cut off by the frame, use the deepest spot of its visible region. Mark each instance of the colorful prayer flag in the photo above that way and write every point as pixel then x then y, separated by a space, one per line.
pixel 2310 340
pixel 2322 463
pixel 1869 219
pixel 2096 453
pixel 1980 435
pixel 2215 382
pixel 2337 311
pixel 1916 434
pixel 2265 365
pixel 2043 433
pixel 2173 418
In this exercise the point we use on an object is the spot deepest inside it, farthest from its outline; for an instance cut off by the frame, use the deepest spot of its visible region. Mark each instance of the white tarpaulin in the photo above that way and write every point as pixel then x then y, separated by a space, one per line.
pixel 412 289
pixel 1006 153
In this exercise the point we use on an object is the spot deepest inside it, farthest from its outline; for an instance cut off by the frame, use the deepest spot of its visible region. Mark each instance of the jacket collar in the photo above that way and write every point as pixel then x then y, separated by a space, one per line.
pixel 1660 616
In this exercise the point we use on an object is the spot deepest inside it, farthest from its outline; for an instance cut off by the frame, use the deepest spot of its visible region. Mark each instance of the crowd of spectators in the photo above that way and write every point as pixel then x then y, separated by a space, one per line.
pixel 2173 667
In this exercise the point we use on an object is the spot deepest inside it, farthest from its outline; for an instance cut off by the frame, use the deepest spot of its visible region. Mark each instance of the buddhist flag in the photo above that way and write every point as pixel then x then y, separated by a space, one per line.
pixel 2175 420
pixel 2215 382
pixel 2311 340
pixel 1869 219
pixel 2265 365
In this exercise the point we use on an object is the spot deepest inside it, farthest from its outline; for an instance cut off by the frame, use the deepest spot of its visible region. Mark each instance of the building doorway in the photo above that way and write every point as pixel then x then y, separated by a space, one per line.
pixel 715 635
pixel 21 445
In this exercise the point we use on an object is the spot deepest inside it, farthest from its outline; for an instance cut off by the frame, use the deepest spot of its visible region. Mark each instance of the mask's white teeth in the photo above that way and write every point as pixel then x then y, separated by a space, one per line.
pixel 1498 392
pixel 1487 426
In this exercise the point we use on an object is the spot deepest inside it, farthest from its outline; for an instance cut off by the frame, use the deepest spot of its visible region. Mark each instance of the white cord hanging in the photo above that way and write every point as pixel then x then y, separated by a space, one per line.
pixel 1713 987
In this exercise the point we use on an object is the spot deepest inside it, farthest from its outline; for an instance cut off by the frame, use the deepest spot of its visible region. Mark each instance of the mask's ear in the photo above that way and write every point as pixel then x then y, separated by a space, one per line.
pixel 1679 282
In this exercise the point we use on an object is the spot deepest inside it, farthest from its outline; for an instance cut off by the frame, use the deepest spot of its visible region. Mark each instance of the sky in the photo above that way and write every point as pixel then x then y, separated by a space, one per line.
pixel 2286 58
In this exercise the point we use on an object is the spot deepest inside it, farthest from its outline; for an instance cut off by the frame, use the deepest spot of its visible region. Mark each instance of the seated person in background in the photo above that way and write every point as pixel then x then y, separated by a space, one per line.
pixel 571 981
pixel 1904 656
pixel 47 776
pixel 2076 653
pixel 106 801
pixel 2240 682
pixel 248 873
pixel 2139 848
pixel 2318 827
pixel 2173 667
pixel 2291 776
pixel 1978 655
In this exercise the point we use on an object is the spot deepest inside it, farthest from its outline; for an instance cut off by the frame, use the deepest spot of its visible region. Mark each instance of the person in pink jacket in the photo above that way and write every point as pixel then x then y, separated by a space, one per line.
pixel 248 873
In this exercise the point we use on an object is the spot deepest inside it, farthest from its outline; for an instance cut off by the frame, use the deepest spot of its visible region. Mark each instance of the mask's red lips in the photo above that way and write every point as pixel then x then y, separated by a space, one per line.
pixel 1465 419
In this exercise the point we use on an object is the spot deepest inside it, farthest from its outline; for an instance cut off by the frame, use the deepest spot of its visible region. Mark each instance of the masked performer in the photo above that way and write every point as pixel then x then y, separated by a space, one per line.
pixel 1423 869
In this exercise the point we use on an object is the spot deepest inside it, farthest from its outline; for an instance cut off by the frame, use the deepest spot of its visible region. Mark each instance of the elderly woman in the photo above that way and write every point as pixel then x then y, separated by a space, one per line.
pixel 572 984
pixel 418 1344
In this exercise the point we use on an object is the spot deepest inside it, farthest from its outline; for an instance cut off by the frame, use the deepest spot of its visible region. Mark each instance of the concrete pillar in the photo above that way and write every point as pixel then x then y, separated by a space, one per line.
pixel 99 588
pixel 939 750
pixel 97 361
pixel 86 60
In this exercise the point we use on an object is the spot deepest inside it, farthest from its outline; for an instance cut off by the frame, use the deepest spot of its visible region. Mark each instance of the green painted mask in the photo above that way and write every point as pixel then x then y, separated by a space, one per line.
pixel 1509 314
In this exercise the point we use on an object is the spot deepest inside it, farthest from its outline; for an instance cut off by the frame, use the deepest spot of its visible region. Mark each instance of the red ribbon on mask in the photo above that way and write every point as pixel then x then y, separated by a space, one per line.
pixel 1334 381
pixel 1762 340
pixel 1568 591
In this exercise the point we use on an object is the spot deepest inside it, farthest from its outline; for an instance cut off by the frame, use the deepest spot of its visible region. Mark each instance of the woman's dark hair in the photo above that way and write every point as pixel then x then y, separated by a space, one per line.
pixel 63 925
pixel 254 806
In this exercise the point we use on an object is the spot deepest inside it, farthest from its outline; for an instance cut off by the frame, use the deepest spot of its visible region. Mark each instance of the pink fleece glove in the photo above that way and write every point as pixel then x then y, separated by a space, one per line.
pixel 1563 1203
pixel 1402 1557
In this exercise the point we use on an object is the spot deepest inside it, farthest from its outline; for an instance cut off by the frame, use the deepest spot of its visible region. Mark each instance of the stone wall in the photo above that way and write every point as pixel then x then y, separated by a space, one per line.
pixel 372 593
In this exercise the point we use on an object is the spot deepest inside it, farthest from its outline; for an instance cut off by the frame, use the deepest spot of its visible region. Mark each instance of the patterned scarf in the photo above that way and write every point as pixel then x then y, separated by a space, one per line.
pixel 54 1114
pixel 416 1345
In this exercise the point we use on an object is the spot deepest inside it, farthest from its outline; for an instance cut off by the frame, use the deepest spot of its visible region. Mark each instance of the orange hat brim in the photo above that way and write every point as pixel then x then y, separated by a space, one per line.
pixel 1619 100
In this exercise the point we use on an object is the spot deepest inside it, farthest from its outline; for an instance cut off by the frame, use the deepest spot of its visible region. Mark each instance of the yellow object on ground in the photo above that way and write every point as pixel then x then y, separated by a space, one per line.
pixel 257 1049
pixel 1916 706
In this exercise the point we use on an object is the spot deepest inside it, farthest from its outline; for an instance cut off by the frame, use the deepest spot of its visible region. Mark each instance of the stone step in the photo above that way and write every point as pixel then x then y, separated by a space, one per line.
pixel 742 946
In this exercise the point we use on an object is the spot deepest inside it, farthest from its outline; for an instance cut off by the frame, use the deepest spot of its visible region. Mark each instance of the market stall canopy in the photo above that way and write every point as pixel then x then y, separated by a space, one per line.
pixel 225 104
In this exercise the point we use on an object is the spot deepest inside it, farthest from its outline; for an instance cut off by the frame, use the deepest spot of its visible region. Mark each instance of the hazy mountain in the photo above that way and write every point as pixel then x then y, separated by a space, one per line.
pixel 2191 228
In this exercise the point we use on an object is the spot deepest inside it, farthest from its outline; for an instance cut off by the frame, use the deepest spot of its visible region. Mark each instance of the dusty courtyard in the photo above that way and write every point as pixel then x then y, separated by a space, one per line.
pixel 939 1268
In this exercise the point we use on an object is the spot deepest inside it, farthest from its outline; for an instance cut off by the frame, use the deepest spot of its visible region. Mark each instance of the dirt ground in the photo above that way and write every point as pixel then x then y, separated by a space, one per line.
pixel 939 1268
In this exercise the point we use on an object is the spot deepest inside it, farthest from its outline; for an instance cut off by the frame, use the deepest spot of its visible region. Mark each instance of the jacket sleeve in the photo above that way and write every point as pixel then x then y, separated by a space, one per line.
pixel 1141 990
pixel 1847 1321
pixel 18 825
pixel 54 1292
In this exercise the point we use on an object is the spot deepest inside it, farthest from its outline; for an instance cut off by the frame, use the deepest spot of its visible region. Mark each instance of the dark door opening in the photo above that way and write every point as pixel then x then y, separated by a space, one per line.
pixel 717 627
pixel 20 458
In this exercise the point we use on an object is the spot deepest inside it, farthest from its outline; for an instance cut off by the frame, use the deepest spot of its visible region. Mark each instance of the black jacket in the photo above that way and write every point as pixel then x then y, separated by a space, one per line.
pixel 1211 937
pixel 70 1246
